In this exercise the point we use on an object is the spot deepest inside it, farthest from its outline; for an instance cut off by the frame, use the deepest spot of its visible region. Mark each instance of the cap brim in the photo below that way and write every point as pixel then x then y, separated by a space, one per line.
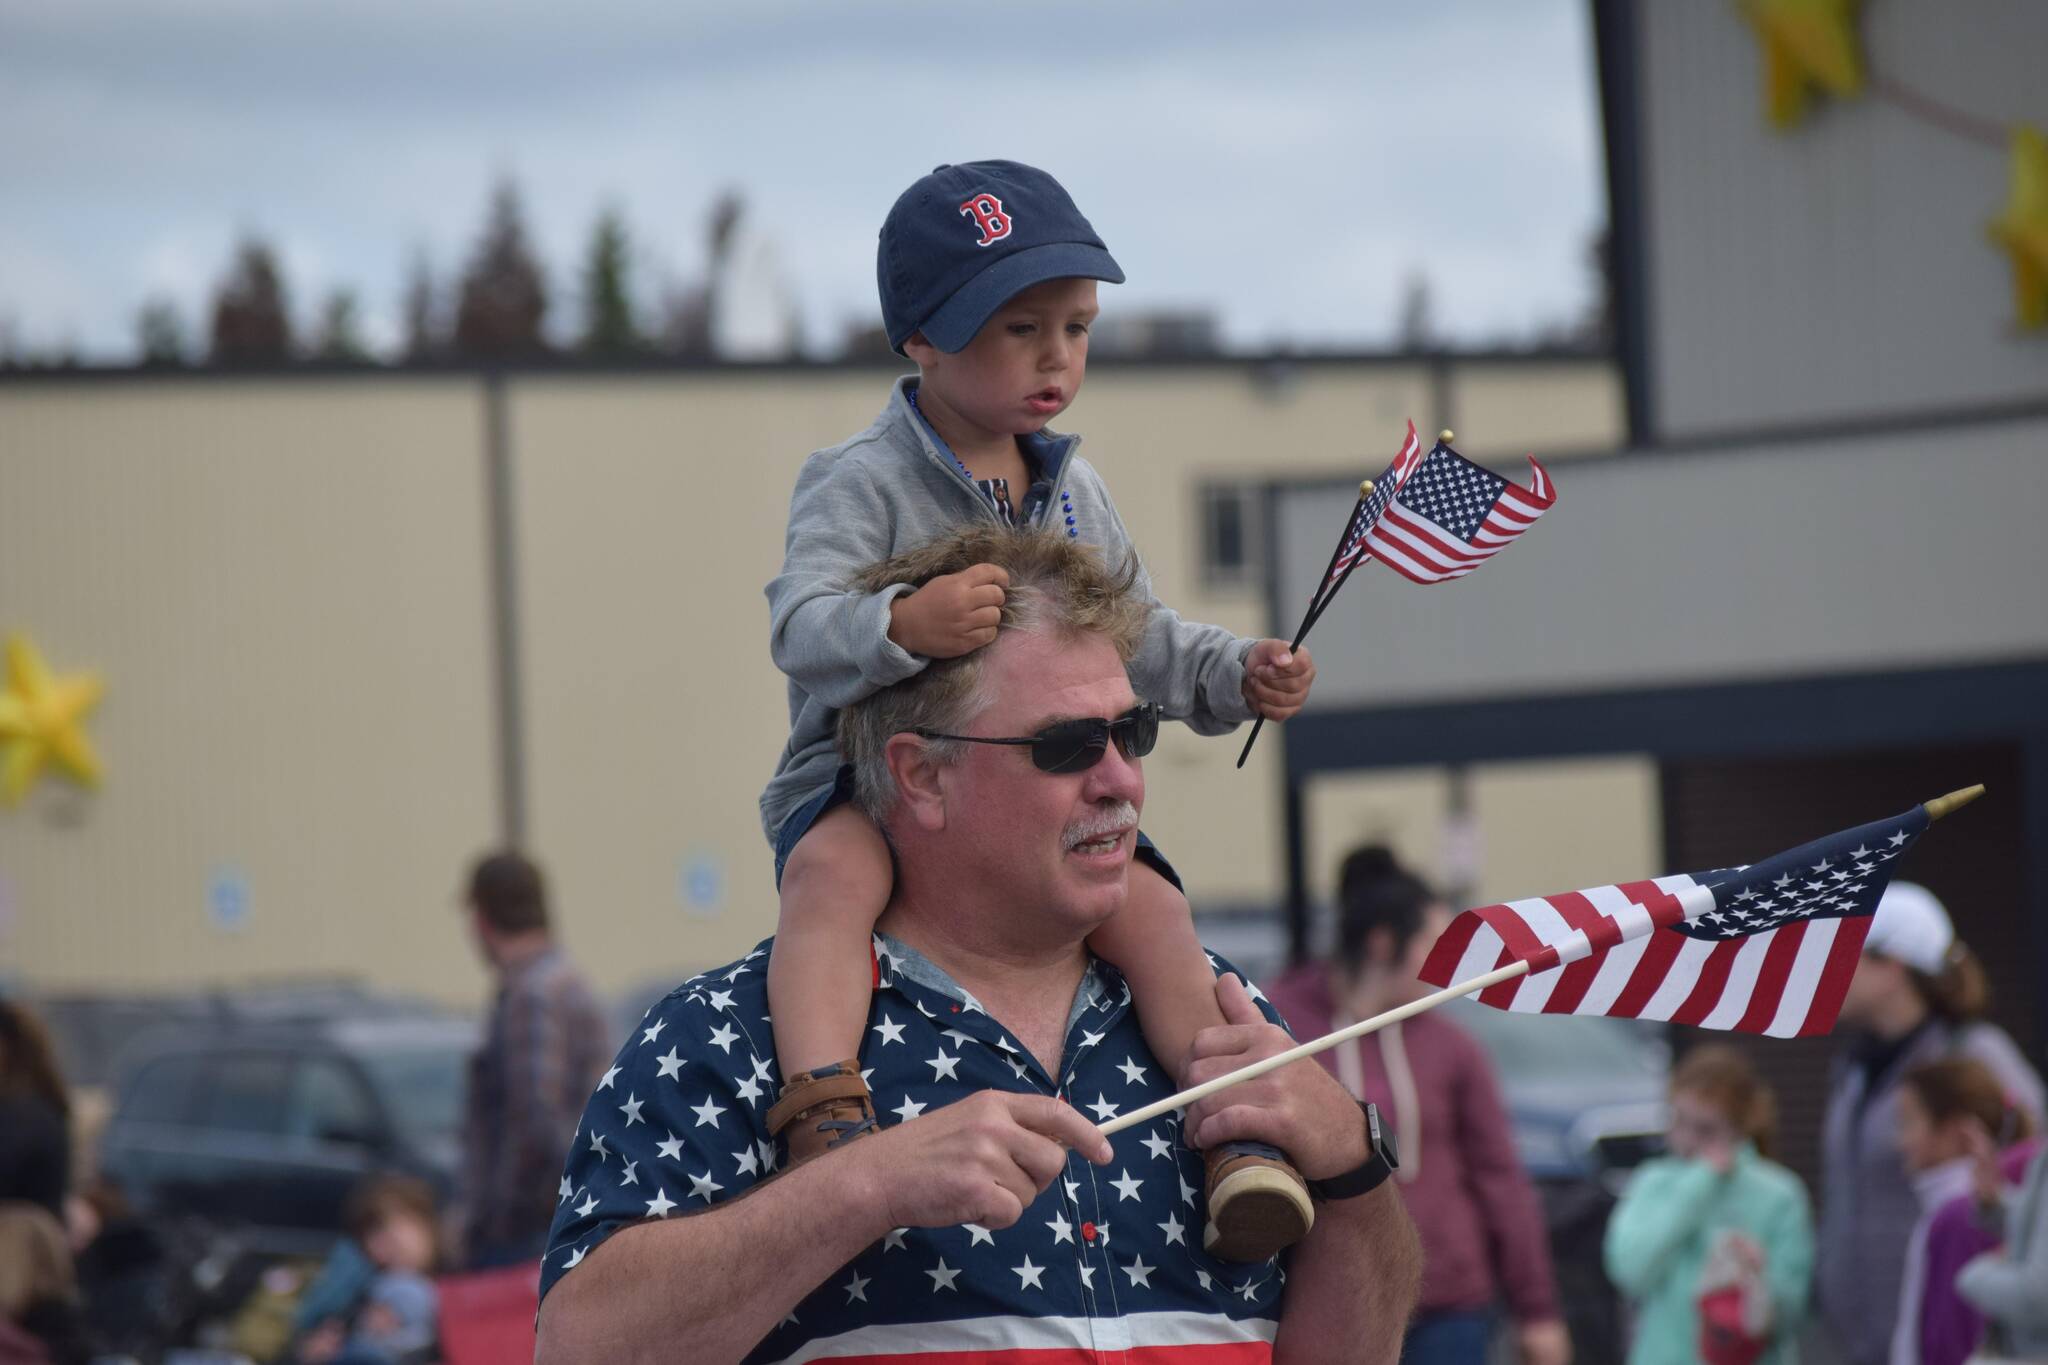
pixel 960 317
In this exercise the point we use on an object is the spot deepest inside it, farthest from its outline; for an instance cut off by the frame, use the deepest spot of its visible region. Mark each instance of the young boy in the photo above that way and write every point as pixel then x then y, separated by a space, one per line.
pixel 987 274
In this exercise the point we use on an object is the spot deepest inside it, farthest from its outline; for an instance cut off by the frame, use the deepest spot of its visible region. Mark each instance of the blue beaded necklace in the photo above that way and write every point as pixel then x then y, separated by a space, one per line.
pixel 1066 497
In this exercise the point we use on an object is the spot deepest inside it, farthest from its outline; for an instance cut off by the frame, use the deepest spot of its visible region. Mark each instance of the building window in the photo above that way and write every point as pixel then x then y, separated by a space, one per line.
pixel 1231 519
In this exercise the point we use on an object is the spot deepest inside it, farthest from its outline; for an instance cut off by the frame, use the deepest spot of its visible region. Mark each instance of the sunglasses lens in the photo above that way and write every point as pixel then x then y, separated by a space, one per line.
pixel 1071 746
pixel 1137 731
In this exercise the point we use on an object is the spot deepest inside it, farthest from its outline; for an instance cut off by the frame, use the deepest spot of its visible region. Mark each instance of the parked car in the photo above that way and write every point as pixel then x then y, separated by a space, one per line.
pixel 264 1129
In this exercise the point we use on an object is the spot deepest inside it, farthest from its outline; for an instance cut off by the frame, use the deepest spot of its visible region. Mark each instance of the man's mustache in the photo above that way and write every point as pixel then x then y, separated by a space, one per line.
pixel 1111 817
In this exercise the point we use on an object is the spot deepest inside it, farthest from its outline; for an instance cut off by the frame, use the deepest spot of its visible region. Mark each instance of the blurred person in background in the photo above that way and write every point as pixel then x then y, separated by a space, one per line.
pixel 40 1323
pixel 1713 1244
pixel 1918 996
pixel 35 1114
pixel 2009 1283
pixel 544 1047
pixel 1483 1238
pixel 391 1318
pixel 1950 1113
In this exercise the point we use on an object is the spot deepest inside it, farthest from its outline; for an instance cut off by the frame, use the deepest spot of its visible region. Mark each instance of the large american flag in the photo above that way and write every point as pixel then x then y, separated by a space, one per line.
pixel 1373 505
pixel 1768 948
pixel 1453 516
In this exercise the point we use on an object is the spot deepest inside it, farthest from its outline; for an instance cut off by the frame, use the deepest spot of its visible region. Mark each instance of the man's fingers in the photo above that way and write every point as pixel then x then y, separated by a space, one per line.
pixel 1062 1123
pixel 1040 1158
pixel 1235 1001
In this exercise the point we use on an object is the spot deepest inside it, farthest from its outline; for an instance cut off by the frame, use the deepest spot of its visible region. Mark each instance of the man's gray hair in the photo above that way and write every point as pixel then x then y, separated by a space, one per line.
pixel 1056 584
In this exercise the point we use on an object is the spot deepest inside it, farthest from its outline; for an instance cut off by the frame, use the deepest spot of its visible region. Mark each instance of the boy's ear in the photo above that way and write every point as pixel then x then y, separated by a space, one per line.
pixel 919 788
pixel 920 350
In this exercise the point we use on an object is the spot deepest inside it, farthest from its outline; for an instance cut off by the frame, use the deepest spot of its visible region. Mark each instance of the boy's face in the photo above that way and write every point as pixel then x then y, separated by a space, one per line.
pixel 1023 367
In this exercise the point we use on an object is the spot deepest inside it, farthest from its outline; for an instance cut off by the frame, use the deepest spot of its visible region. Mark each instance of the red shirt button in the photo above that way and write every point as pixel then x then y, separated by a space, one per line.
pixel 1087 1232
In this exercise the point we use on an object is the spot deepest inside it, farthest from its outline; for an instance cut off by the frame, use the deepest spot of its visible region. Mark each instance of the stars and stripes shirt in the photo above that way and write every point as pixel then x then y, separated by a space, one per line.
pixel 1106 1265
pixel 1767 948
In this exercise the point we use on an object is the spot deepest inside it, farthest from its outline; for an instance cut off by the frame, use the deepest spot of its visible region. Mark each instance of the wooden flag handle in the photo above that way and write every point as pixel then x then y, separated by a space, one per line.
pixel 1310 1049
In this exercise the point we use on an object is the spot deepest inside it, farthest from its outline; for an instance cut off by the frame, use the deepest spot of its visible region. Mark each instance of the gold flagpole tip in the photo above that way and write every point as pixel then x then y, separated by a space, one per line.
pixel 1956 800
pixel 1365 488
pixel 1445 435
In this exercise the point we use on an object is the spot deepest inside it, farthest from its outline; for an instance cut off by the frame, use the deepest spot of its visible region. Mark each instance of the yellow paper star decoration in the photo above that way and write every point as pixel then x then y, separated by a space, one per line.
pixel 1807 44
pixel 2023 228
pixel 40 716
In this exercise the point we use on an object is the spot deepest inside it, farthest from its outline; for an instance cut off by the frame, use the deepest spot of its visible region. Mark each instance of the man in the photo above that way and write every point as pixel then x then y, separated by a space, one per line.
pixel 543 1048
pixel 987 1215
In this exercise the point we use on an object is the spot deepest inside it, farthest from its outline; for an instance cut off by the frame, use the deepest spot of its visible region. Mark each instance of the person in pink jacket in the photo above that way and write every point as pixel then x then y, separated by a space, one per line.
pixel 1483 1238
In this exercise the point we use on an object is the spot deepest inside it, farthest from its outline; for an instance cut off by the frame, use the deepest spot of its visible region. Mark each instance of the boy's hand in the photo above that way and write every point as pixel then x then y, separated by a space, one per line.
pixel 1276 681
pixel 952 615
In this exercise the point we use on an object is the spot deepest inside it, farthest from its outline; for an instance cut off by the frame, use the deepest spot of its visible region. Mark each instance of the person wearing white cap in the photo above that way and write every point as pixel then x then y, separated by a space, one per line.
pixel 1918 996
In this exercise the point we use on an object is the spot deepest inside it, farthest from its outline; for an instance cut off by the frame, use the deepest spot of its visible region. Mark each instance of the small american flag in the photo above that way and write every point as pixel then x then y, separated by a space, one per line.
pixel 1453 516
pixel 1768 948
pixel 1374 504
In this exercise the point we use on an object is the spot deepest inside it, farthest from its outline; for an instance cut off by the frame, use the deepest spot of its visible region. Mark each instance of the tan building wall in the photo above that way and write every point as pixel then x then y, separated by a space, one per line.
pixel 287 587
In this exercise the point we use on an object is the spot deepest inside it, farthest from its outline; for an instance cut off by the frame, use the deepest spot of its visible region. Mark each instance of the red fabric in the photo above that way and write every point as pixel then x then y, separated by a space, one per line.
pixel 487 1317
pixel 1722 1338
pixel 1482 1231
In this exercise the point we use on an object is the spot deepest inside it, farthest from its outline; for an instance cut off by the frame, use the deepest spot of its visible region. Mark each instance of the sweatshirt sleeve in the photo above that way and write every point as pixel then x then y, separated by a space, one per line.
pixel 1493 1169
pixel 832 642
pixel 2012 1289
pixel 1194 672
pixel 1663 1207
pixel 1788 1259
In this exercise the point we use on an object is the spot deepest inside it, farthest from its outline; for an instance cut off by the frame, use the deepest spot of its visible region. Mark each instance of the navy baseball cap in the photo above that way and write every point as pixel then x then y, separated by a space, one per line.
pixel 967 239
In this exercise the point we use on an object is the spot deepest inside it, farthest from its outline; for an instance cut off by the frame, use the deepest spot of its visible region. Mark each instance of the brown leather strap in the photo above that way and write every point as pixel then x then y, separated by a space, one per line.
pixel 813 1094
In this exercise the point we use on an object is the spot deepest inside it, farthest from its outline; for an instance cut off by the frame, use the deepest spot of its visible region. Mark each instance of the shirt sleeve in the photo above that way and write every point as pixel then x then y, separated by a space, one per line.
pixel 1501 1188
pixel 673 1127
pixel 1194 672
pixel 832 642
pixel 1664 1205
pixel 1788 1258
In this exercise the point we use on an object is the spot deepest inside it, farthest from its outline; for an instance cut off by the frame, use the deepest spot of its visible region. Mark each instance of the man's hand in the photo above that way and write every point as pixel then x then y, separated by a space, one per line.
pixel 1276 679
pixel 1544 1343
pixel 951 615
pixel 1300 1108
pixel 981 1160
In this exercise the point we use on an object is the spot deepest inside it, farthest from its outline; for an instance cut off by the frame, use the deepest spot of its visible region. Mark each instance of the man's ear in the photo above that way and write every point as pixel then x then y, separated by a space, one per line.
pixel 919 789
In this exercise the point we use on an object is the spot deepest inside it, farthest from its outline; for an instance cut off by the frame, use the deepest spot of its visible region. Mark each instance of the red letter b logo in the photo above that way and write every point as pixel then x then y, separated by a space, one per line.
pixel 987 212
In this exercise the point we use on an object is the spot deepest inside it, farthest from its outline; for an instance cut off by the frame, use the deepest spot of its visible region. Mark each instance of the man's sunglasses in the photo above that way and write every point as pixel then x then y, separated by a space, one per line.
pixel 1074 746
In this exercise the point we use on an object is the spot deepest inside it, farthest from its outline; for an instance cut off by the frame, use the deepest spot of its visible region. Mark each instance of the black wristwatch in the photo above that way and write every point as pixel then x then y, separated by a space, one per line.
pixel 1381 1161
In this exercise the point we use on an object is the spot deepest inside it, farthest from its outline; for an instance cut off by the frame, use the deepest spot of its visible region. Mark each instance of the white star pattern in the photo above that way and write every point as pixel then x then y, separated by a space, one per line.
pixel 672 1150
pixel 723 1037
pixel 1140 1273
pixel 857 1287
pixel 749 1090
pixel 1027 1274
pixel 1088 1277
pixel 721 1000
pixel 649 1034
pixel 958 1037
pixel 703 1185
pixel 943 1067
pixel 907 1110
pixel 1133 1073
pixel 587 1207
pixel 563 1192
pixel 748 1162
pixel 632 1175
pixel 631 1109
pixel 1898 839
pixel 1173 1229
pixel 1158 1146
pixel 977 1234
pixel 609 1077
pixel 943 1277
pixel 1102 1108
pixel 660 1204
pixel 574 1259
pixel 1062 1230
pixel 1126 1188
pixel 597 1145
pixel 894 1240
pixel 671 1066
pixel 707 1112
pixel 1089 1038
pixel 891 1031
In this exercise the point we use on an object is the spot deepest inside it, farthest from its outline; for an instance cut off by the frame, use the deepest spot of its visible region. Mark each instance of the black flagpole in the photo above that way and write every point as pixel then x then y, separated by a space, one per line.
pixel 1308 618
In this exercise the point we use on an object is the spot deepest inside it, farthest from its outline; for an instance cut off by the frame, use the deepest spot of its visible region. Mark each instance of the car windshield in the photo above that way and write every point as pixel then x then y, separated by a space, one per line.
pixel 421 1084
pixel 1563 1047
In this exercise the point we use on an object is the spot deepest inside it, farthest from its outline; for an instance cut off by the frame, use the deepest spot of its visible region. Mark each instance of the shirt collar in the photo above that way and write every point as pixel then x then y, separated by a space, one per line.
pixel 900 959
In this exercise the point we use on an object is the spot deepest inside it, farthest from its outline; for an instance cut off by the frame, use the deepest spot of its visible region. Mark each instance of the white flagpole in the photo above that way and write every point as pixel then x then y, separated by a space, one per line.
pixel 1310 1049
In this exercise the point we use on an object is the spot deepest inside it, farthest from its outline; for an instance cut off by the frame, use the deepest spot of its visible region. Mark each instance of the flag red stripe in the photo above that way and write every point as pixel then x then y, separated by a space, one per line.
pixel 1663 906
pixel 1501 994
pixel 1450 949
pixel 1577 977
pixel 1428 537
pixel 1713 979
pixel 1771 979
pixel 1661 951
pixel 1843 955
pixel 1209 1353
pixel 1515 932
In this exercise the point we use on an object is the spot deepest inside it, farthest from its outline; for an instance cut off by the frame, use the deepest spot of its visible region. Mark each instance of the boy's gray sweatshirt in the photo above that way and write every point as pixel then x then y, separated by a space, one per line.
pixel 886 490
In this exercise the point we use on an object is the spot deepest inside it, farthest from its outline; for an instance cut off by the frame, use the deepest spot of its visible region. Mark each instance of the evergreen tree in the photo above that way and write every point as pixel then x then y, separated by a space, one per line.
pixel 250 323
pixel 160 333
pixel 340 332
pixel 608 326
pixel 423 338
pixel 503 294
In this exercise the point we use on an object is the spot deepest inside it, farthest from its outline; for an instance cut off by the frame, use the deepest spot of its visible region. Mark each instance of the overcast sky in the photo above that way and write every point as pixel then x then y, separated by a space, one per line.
pixel 1287 164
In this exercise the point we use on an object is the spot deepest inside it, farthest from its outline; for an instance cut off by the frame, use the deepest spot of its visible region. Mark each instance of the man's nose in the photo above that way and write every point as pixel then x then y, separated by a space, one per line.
pixel 1116 778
